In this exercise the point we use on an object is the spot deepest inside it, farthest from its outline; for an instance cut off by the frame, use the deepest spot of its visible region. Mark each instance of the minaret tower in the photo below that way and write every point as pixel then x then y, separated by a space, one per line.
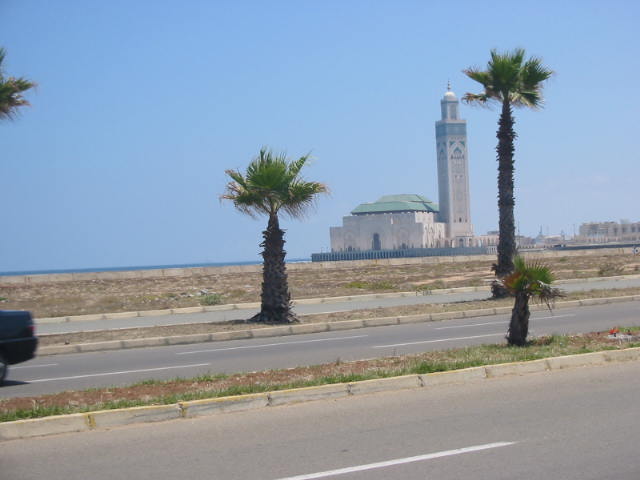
pixel 453 172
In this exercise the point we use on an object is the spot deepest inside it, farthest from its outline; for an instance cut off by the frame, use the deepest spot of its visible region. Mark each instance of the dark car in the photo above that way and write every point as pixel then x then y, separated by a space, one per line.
pixel 18 342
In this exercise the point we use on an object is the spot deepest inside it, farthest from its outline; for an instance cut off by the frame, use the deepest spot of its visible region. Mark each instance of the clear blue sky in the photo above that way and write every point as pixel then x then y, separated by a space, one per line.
pixel 142 105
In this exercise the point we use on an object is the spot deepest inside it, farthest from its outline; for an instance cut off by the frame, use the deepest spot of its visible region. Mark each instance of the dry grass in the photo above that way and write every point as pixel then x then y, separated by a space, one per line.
pixel 103 296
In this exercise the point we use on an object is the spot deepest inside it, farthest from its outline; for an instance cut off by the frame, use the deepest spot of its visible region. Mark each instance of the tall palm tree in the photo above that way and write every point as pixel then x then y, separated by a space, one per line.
pixel 271 184
pixel 11 90
pixel 527 280
pixel 512 82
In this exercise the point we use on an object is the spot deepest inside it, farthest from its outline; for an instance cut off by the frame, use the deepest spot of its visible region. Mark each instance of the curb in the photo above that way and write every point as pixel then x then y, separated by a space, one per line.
pixel 82 422
pixel 303 301
pixel 307 328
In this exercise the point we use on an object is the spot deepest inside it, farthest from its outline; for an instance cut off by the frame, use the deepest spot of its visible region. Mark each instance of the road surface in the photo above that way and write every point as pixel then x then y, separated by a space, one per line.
pixel 578 424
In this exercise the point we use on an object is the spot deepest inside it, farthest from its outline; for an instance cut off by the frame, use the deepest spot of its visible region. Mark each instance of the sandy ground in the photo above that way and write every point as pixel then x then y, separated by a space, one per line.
pixel 104 296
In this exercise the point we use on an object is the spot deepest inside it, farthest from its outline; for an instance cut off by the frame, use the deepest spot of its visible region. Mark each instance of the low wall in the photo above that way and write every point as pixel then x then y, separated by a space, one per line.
pixel 199 271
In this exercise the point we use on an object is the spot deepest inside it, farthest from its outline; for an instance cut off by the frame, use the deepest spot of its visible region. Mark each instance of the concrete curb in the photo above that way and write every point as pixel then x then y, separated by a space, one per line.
pixel 303 301
pixel 81 422
pixel 307 328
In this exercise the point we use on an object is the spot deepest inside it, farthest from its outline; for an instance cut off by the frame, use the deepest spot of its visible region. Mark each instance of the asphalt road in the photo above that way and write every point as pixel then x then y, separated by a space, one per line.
pixel 578 424
pixel 77 371
pixel 329 305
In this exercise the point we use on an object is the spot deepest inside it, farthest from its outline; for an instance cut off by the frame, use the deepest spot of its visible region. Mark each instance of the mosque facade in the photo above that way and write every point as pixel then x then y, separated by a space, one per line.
pixel 411 221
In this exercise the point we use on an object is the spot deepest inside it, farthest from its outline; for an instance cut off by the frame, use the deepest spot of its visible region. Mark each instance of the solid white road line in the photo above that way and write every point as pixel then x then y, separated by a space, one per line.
pixel 471 325
pixel 35 366
pixel 118 373
pixel 399 461
pixel 441 340
pixel 554 316
pixel 244 347
pixel 503 322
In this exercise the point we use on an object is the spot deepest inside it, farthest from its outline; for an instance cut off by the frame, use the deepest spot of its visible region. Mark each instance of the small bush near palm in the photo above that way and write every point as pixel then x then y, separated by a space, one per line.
pixel 211 299
pixel 609 269
pixel 528 280
pixel 428 287
pixel 384 285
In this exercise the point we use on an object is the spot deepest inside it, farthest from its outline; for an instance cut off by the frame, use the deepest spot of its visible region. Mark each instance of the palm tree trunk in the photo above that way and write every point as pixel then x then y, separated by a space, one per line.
pixel 276 299
pixel 519 325
pixel 506 202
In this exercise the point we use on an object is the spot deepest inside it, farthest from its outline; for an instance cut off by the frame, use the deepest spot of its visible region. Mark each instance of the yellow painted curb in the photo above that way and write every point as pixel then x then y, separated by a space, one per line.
pixel 79 422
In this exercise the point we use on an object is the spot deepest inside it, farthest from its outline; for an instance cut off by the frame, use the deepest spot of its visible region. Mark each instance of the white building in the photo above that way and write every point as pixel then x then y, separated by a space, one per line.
pixel 604 232
pixel 393 222
pixel 413 221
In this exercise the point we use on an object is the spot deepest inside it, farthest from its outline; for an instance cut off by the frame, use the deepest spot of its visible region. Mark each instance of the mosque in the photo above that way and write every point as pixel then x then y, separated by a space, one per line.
pixel 408 222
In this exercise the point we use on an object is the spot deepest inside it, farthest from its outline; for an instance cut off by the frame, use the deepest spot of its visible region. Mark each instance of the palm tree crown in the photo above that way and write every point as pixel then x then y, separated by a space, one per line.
pixel 532 279
pixel 11 90
pixel 510 79
pixel 272 184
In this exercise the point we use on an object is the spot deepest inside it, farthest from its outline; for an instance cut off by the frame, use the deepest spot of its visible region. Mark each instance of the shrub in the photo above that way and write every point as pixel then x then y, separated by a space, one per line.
pixel 609 269
pixel 211 299
pixel 427 287
pixel 384 285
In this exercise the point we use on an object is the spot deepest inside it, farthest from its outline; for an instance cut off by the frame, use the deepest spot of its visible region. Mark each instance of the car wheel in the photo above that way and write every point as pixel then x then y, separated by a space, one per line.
pixel 4 366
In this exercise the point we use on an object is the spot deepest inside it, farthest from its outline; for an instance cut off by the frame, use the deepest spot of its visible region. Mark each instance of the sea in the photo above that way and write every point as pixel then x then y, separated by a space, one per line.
pixel 143 267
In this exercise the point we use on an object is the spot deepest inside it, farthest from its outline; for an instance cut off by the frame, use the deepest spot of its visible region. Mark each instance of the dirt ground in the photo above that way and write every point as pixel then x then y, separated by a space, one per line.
pixel 121 295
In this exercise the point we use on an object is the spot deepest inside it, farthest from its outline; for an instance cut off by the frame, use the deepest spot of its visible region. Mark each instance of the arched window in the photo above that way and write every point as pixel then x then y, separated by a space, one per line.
pixel 375 244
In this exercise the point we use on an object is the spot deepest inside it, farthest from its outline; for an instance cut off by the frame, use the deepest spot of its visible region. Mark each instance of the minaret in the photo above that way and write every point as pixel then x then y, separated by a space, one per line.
pixel 453 172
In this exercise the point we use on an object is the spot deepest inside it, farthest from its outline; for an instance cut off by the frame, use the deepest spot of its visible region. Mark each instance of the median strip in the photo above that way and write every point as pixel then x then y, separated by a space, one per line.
pixel 211 394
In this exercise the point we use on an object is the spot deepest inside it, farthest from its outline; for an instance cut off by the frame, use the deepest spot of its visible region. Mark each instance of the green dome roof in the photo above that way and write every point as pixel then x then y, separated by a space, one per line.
pixel 397 204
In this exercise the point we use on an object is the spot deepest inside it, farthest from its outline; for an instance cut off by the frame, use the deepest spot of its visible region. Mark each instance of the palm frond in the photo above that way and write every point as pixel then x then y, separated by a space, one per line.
pixel 301 196
pixel 272 183
pixel 509 78
pixel 11 90
pixel 533 279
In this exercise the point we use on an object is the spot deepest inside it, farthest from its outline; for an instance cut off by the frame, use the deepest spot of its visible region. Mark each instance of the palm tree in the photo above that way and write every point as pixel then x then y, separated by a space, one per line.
pixel 513 82
pixel 11 91
pixel 270 184
pixel 527 280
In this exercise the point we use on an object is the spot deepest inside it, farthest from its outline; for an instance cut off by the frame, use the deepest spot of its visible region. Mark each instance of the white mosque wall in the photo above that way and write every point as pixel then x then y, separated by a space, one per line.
pixel 387 231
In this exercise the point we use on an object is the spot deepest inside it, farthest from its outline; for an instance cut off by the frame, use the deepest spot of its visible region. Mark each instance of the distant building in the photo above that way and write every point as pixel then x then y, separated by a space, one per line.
pixel 392 222
pixel 409 221
pixel 605 232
